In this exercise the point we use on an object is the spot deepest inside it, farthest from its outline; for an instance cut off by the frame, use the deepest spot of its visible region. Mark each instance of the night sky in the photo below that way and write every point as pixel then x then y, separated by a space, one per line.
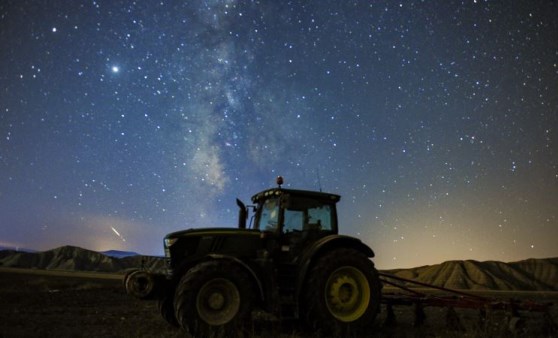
pixel 437 121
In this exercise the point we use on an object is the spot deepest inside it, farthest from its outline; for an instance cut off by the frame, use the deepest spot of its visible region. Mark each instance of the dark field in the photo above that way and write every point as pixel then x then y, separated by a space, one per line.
pixel 45 304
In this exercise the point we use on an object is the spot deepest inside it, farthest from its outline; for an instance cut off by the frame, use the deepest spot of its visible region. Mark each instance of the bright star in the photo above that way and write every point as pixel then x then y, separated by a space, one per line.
pixel 115 69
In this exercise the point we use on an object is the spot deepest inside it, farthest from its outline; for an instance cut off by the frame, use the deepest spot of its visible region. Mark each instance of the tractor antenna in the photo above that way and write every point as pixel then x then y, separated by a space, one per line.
pixel 319 180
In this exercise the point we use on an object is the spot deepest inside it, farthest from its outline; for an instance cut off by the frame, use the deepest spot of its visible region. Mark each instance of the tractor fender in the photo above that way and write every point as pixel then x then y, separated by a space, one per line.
pixel 245 266
pixel 324 245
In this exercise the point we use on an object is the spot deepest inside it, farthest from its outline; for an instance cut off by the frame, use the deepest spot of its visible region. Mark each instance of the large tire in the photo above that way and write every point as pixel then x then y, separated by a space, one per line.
pixel 126 276
pixel 342 294
pixel 214 299
pixel 165 304
pixel 141 284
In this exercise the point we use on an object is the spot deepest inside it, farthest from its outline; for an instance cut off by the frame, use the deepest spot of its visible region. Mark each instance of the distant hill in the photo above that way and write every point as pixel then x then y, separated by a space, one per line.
pixel 530 274
pixel 13 248
pixel 75 258
pixel 119 254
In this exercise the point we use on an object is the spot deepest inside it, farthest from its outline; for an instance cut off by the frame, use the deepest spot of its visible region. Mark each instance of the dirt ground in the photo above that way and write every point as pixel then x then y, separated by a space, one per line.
pixel 43 304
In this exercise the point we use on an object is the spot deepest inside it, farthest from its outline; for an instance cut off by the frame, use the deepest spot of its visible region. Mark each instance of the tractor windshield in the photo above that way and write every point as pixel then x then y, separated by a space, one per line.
pixel 269 215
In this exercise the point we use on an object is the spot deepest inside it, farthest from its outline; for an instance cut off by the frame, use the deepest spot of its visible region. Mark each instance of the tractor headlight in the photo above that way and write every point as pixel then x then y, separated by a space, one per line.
pixel 169 242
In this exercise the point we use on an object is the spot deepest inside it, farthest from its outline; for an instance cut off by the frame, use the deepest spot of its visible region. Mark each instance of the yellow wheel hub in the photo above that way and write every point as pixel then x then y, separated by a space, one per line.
pixel 218 301
pixel 347 294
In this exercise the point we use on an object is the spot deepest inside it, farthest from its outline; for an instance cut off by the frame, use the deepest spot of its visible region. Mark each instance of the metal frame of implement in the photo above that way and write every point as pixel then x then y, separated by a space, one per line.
pixel 456 299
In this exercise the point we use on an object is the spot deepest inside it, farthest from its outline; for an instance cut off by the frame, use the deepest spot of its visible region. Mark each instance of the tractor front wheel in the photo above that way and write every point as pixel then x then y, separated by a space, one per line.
pixel 214 299
pixel 342 294
pixel 166 308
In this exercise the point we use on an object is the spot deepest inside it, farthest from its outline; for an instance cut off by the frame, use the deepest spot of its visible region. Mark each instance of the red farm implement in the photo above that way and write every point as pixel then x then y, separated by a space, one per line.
pixel 406 292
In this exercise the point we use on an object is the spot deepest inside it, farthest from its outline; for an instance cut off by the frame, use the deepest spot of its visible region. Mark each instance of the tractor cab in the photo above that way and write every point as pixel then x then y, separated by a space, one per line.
pixel 294 217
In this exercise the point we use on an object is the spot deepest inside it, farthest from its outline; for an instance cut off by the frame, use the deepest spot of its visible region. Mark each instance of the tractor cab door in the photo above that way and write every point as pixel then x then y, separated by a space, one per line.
pixel 290 223
pixel 304 221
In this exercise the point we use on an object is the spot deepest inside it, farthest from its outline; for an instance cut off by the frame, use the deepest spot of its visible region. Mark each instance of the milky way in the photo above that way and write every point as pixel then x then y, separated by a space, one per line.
pixel 436 121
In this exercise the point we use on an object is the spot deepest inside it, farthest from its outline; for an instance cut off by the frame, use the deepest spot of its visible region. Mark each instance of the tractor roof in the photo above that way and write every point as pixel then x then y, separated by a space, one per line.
pixel 302 193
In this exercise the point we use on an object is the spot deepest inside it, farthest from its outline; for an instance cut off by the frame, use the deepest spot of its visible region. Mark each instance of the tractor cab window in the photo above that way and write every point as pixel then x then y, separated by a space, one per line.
pixel 303 214
pixel 294 220
pixel 320 217
pixel 269 216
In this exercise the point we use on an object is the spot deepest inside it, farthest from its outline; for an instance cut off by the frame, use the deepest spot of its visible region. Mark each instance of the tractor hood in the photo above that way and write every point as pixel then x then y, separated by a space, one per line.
pixel 211 232
pixel 187 247
pixel 191 239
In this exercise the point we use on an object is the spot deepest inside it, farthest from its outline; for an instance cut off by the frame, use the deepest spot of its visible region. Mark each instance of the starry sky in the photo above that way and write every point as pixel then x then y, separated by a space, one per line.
pixel 437 121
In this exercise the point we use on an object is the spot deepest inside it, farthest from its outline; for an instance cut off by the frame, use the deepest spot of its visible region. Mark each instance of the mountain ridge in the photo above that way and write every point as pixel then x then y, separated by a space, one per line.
pixel 526 275
pixel 78 259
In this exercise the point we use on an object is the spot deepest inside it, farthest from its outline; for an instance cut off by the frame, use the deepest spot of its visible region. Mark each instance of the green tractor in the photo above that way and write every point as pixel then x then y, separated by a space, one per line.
pixel 288 263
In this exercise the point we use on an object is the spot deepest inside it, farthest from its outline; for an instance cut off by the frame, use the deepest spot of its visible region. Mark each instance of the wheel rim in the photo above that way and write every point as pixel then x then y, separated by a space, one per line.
pixel 218 301
pixel 347 294
pixel 141 284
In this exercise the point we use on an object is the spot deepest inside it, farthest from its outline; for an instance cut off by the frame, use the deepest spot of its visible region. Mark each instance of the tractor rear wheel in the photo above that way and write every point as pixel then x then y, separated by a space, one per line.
pixel 214 299
pixel 342 293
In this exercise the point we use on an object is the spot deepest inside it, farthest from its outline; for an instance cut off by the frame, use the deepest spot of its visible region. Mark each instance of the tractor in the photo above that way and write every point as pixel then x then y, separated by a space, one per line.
pixel 288 263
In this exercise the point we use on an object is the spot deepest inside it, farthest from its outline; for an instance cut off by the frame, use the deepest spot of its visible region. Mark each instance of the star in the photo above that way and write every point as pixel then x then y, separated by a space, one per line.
pixel 435 120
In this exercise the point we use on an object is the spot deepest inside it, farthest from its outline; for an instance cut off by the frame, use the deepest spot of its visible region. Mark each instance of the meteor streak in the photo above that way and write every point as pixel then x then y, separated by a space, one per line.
pixel 118 234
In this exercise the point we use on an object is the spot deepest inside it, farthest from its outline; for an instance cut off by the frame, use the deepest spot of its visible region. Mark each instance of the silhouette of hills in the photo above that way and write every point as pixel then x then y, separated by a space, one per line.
pixel 15 248
pixel 79 259
pixel 530 274
pixel 526 275
pixel 119 254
